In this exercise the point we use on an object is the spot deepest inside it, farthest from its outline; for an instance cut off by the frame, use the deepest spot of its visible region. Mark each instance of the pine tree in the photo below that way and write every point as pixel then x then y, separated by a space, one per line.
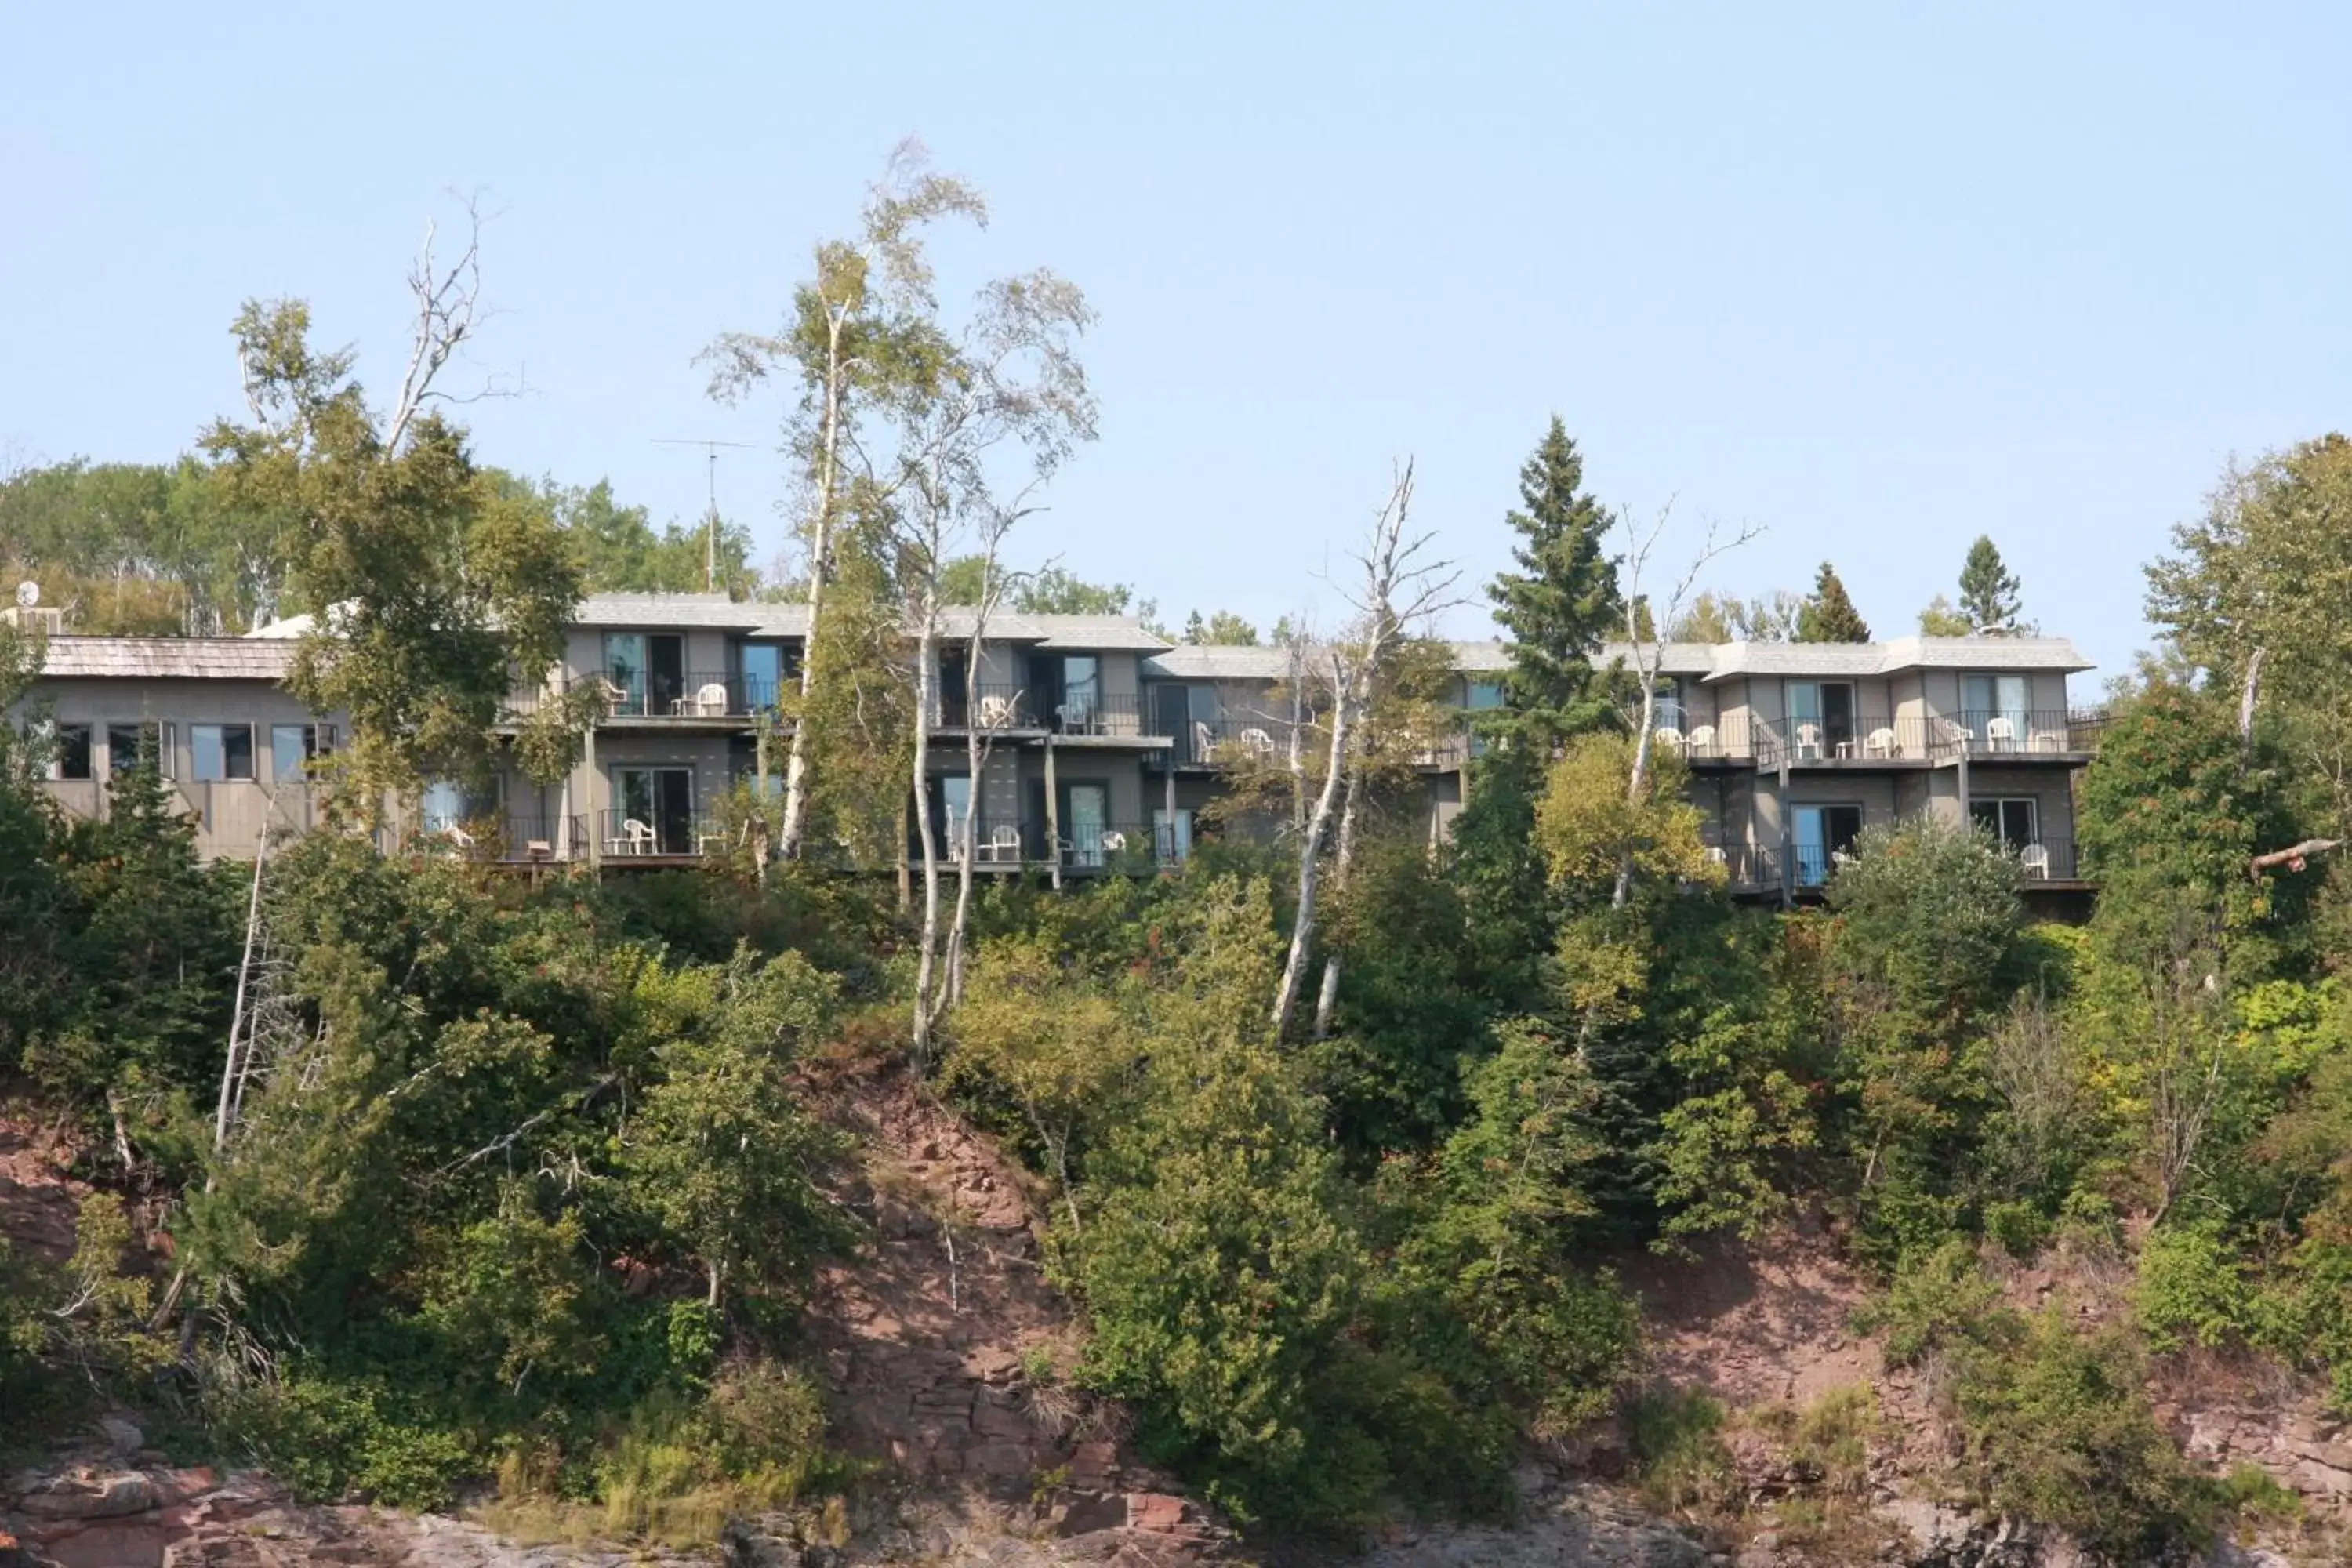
pixel 1562 602
pixel 1830 615
pixel 1988 591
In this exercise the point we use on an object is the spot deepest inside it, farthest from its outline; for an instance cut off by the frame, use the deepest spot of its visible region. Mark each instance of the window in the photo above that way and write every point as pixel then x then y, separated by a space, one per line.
pixel 955 798
pixel 1171 837
pixel 1081 690
pixel 1480 695
pixel 128 746
pixel 1825 834
pixel 291 746
pixel 659 802
pixel 1985 697
pixel 763 674
pixel 1821 717
pixel 2013 823
pixel 70 758
pixel 219 752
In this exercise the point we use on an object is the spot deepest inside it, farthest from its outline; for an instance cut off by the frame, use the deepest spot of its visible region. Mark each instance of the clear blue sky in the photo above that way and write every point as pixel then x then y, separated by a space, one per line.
pixel 1876 278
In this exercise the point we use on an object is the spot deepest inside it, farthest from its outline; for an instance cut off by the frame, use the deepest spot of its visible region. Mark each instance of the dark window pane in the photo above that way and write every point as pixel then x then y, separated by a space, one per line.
pixel 73 751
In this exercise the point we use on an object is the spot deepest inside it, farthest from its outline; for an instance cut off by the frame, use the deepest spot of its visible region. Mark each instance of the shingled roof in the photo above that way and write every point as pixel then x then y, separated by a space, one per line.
pixel 168 658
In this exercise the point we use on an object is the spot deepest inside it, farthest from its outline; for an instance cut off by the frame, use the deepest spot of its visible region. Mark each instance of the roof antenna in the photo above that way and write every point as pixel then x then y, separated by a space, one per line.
pixel 711 536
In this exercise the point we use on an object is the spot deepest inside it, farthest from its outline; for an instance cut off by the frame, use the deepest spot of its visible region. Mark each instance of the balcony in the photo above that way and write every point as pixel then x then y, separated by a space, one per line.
pixel 622 836
pixel 1753 869
pixel 509 840
pixel 1247 742
pixel 697 695
pixel 1016 709
pixel 2054 734
pixel 1014 846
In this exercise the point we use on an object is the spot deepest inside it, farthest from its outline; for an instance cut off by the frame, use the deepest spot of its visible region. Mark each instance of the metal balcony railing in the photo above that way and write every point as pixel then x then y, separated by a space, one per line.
pixel 991 707
pixel 623 835
pixel 1233 743
pixel 2028 731
pixel 1005 844
pixel 509 840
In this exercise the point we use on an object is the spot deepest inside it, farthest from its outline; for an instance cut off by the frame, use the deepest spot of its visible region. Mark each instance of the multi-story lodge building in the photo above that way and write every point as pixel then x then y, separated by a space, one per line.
pixel 1106 743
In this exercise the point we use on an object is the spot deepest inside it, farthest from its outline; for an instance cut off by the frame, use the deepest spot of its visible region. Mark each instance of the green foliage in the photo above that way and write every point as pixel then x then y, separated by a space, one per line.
pixel 1561 603
pixel 2059 1429
pixel 1989 601
pixel 2191 1289
pixel 1939 1300
pixel 431 580
pixel 1680 1458
pixel 1940 619
pixel 721 1155
pixel 1222 628
pixel 1828 616
pixel 1218 1271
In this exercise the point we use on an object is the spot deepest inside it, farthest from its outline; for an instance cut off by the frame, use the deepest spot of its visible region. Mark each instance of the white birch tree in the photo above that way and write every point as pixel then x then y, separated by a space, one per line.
pixel 861 335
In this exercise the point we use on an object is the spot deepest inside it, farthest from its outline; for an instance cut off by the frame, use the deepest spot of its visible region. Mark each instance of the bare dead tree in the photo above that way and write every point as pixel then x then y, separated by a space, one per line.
pixel 1399 589
pixel 1400 592
pixel 448 312
pixel 1648 652
pixel 841 340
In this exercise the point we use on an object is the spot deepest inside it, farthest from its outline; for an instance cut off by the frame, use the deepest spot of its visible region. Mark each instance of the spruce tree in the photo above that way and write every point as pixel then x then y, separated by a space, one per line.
pixel 1562 602
pixel 1830 615
pixel 1988 591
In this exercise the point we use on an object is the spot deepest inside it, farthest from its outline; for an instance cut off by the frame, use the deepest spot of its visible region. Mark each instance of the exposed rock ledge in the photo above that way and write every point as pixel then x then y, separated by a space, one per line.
pixel 129 1514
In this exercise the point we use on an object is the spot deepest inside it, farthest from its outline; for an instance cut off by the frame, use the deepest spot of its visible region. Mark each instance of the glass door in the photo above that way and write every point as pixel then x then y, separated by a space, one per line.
pixel 656 811
pixel 1088 819
pixel 955 806
pixel 764 675
pixel 1986 697
pixel 1081 704
pixel 1804 701
pixel 1171 837
pixel 1823 833
pixel 625 667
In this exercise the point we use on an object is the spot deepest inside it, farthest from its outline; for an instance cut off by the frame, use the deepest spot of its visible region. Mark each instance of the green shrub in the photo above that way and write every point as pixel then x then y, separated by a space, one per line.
pixel 1937 1300
pixel 2019 1225
pixel 1680 1460
pixel 2191 1289
pixel 2060 1430
pixel 331 1439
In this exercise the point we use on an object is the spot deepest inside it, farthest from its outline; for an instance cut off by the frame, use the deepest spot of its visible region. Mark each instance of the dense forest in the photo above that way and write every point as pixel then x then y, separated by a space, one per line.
pixel 457 1175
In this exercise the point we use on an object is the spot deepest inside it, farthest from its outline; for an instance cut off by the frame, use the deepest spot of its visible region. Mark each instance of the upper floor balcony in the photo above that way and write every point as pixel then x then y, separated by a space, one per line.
pixel 2024 734
pixel 1073 711
pixel 694 696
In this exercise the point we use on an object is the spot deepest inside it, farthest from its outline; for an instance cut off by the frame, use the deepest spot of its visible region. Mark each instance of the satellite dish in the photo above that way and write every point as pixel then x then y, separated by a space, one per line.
pixel 28 593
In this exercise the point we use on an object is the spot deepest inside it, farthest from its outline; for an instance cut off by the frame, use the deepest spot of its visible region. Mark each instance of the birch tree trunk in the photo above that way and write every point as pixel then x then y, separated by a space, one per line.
pixel 1637 780
pixel 926 1005
pixel 1310 861
pixel 976 747
pixel 796 762
pixel 1341 860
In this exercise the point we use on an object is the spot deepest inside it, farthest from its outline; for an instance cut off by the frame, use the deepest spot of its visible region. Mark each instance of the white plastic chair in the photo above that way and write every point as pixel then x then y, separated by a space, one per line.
pixel 1700 743
pixel 458 839
pixel 1078 717
pixel 1205 741
pixel 2034 862
pixel 2001 734
pixel 1809 739
pixel 1258 741
pixel 1114 843
pixel 1880 742
pixel 1666 737
pixel 1004 843
pixel 635 838
pixel 711 700
pixel 996 712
